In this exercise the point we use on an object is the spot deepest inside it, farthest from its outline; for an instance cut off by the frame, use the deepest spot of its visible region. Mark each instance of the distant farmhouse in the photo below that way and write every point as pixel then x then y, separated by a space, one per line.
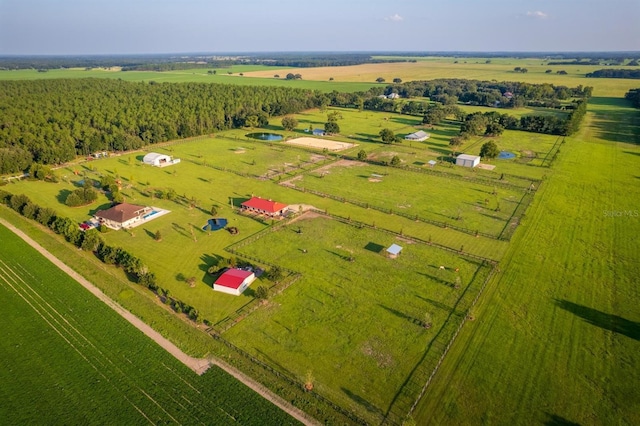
pixel 466 160
pixel 393 96
pixel 122 215
pixel 265 207
pixel 234 281
pixel 159 160
pixel 418 136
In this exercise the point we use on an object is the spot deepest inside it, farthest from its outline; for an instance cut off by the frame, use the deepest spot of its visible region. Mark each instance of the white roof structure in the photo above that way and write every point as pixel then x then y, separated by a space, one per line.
pixel 469 157
pixel 419 136
pixel 432 162
pixel 394 249
pixel 159 160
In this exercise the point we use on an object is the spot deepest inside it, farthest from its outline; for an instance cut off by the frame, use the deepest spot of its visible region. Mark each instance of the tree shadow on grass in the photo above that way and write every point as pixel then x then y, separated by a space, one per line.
pixel 556 420
pixel 362 402
pixel 403 316
pixel 601 319
pixel 62 195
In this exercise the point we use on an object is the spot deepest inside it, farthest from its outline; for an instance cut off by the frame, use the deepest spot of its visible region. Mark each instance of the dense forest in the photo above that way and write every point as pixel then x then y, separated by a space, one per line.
pixel 49 122
pixel 615 73
pixel 633 95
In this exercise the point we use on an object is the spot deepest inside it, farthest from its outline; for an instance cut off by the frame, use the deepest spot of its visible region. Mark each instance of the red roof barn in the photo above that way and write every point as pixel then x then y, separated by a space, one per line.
pixel 262 206
pixel 234 281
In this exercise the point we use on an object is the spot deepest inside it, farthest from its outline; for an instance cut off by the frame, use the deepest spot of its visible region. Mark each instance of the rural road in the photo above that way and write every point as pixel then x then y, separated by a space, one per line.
pixel 198 365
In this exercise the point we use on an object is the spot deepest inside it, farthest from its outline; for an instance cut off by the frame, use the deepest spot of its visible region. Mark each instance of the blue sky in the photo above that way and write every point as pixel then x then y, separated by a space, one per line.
pixel 162 26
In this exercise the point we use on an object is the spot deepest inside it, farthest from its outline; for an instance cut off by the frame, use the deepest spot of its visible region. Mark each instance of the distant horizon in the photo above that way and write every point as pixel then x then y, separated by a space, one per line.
pixel 418 53
pixel 135 27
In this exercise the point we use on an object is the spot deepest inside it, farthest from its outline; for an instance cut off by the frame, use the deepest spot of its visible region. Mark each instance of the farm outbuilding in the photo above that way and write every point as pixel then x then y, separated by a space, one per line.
pixel 466 160
pixel 318 132
pixel 265 207
pixel 159 160
pixel 418 136
pixel 234 281
pixel 393 251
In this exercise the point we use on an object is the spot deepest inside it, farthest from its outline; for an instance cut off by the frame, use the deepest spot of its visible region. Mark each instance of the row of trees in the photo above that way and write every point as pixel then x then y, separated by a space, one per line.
pixel 615 73
pixel 52 121
pixel 493 123
pixel 633 95
pixel 487 93
pixel 91 240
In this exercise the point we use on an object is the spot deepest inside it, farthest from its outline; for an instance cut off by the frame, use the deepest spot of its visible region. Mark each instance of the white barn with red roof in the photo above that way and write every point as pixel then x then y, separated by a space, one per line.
pixel 234 281
pixel 265 207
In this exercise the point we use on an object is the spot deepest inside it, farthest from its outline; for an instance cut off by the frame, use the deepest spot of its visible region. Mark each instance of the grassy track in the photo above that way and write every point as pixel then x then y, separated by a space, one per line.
pixel 558 339
pixel 46 312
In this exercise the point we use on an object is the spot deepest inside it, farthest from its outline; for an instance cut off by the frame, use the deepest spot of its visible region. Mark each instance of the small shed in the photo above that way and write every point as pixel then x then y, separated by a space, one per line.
pixel 393 96
pixel 393 251
pixel 432 163
pixel 466 160
pixel 318 132
pixel 234 281
pixel 418 136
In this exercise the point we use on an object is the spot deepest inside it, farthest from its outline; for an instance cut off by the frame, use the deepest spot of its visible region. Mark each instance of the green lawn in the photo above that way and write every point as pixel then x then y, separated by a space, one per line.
pixel 356 325
pixel 98 369
pixel 557 338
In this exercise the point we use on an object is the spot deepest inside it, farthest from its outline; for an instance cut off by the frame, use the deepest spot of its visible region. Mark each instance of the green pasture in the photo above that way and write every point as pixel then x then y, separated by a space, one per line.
pixel 193 76
pixel 67 359
pixel 355 325
pixel 469 205
pixel 557 335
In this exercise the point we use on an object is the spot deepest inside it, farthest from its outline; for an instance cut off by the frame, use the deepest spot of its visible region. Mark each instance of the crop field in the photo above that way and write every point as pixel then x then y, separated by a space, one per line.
pixel 357 319
pixel 473 69
pixel 195 76
pixel 63 348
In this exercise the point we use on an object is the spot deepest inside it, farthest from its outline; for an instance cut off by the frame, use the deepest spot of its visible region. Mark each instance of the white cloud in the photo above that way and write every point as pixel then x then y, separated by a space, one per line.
pixel 537 14
pixel 394 18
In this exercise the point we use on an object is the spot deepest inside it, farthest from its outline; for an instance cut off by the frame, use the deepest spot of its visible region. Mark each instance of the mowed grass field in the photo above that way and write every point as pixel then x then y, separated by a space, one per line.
pixel 558 334
pixel 357 325
pixel 66 358
pixel 197 75
pixel 468 205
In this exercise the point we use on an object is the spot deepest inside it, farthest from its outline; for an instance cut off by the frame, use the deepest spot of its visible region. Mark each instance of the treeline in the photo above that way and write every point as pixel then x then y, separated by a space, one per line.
pixel 506 94
pixel 493 123
pixel 320 59
pixel 633 95
pixel 614 73
pixel 50 122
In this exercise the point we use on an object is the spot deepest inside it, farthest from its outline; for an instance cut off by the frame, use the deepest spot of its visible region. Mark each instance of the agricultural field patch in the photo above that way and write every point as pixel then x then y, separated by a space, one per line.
pixel 95 361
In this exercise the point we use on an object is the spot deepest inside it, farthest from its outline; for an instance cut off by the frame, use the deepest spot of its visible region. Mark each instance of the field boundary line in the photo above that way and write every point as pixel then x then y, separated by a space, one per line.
pixel 198 365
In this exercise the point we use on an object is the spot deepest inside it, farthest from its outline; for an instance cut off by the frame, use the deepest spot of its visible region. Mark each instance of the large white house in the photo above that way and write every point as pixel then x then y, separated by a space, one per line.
pixel 466 160
pixel 159 160
pixel 122 215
